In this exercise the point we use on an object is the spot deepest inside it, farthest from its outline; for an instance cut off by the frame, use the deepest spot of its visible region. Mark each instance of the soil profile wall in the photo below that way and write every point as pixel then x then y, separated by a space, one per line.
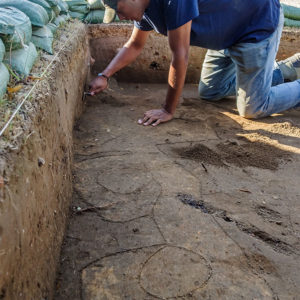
pixel 152 66
pixel 37 187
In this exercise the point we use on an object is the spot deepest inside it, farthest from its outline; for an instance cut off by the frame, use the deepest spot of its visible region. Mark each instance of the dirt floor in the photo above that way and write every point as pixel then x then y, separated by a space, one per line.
pixel 203 207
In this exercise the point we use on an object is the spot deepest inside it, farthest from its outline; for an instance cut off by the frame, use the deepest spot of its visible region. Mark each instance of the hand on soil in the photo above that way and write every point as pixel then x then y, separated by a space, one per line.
pixel 98 85
pixel 155 116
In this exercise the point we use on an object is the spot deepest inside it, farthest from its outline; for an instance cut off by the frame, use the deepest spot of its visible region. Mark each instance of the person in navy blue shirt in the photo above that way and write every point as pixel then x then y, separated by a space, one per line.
pixel 242 38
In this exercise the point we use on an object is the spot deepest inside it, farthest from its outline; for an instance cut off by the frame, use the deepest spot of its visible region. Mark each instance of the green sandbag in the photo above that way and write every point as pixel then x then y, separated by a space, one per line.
pixel 66 17
pixel 83 9
pixel 79 6
pixel 45 5
pixel 60 20
pixel 43 39
pixel 22 60
pixel 2 50
pixel 56 9
pixel 291 23
pixel 15 28
pixel 76 15
pixel 54 6
pixel 52 27
pixel 95 17
pixel 53 16
pixel 96 4
pixel 36 13
pixel 4 79
pixel 75 2
pixel 52 2
pixel 64 7
pixel 291 12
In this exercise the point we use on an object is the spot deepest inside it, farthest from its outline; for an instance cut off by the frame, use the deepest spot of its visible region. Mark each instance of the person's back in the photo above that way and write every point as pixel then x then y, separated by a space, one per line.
pixel 217 24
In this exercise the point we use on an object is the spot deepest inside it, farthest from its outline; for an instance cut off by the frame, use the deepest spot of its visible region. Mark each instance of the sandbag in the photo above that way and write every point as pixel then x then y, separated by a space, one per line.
pixel 36 13
pixel 291 12
pixel 52 27
pixel 75 2
pixel 79 6
pixel 2 50
pixel 53 16
pixel 56 9
pixel 109 16
pixel 4 79
pixel 60 20
pixel 52 2
pixel 76 15
pixel 43 38
pixel 95 17
pixel 45 5
pixel 291 23
pixel 22 60
pixel 15 28
pixel 83 9
pixel 66 17
pixel 64 7
pixel 96 4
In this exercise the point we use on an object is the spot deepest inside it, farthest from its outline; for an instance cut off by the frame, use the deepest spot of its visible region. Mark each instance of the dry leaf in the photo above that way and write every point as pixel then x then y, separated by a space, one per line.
pixel 34 78
pixel 15 89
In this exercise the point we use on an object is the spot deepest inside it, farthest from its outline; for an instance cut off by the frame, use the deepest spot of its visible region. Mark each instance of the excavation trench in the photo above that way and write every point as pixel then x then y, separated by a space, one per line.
pixel 203 207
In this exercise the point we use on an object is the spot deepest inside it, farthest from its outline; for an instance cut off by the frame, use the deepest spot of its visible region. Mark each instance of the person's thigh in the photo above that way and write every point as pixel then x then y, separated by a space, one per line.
pixel 255 66
pixel 217 76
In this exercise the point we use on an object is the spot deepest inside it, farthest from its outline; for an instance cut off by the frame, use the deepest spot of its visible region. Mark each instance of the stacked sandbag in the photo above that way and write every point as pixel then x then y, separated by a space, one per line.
pixel 78 9
pixel 36 13
pixel 64 12
pixel 54 6
pixel 99 13
pixel 47 7
pixel 95 17
pixel 4 74
pixel 16 33
pixel 43 38
pixel 15 28
pixel 61 10
pixel 291 15
pixel 22 60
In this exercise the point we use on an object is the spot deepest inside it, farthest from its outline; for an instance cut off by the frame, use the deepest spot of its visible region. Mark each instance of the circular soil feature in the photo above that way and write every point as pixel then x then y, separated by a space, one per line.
pixel 123 178
pixel 174 272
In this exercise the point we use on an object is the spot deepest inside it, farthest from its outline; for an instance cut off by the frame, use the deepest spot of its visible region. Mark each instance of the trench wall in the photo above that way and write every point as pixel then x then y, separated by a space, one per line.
pixel 152 65
pixel 37 187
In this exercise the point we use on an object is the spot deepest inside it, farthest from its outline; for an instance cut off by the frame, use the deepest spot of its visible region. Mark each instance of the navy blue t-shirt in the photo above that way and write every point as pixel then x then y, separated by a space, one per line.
pixel 217 24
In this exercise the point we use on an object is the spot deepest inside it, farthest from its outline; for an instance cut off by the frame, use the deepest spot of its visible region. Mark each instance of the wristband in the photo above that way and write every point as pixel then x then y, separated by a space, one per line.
pixel 103 75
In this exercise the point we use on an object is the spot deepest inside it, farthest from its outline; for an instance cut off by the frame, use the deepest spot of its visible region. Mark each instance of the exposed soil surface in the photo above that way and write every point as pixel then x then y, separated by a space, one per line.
pixel 203 207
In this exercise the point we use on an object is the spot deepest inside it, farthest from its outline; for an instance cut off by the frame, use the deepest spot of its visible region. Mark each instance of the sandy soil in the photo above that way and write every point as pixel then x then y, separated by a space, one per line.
pixel 203 207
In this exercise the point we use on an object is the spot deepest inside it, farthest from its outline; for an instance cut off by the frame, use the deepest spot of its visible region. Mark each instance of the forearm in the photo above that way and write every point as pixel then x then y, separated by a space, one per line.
pixel 176 80
pixel 125 56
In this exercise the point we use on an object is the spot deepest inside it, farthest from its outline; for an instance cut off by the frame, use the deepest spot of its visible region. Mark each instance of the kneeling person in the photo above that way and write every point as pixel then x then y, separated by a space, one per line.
pixel 242 38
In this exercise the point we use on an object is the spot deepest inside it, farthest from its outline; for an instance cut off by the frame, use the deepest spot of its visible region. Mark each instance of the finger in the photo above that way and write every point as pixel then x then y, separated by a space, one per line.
pixel 157 122
pixel 97 91
pixel 151 120
pixel 146 118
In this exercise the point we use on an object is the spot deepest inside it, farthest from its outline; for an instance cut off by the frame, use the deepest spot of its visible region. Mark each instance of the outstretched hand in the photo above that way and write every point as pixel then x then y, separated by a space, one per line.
pixel 155 116
pixel 98 85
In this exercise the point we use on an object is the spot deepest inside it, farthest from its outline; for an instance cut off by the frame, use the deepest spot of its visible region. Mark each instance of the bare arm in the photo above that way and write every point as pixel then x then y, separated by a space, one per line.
pixel 179 40
pixel 125 56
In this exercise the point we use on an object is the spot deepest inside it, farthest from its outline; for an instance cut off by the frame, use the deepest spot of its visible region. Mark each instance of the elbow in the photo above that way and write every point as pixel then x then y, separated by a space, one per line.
pixel 181 56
